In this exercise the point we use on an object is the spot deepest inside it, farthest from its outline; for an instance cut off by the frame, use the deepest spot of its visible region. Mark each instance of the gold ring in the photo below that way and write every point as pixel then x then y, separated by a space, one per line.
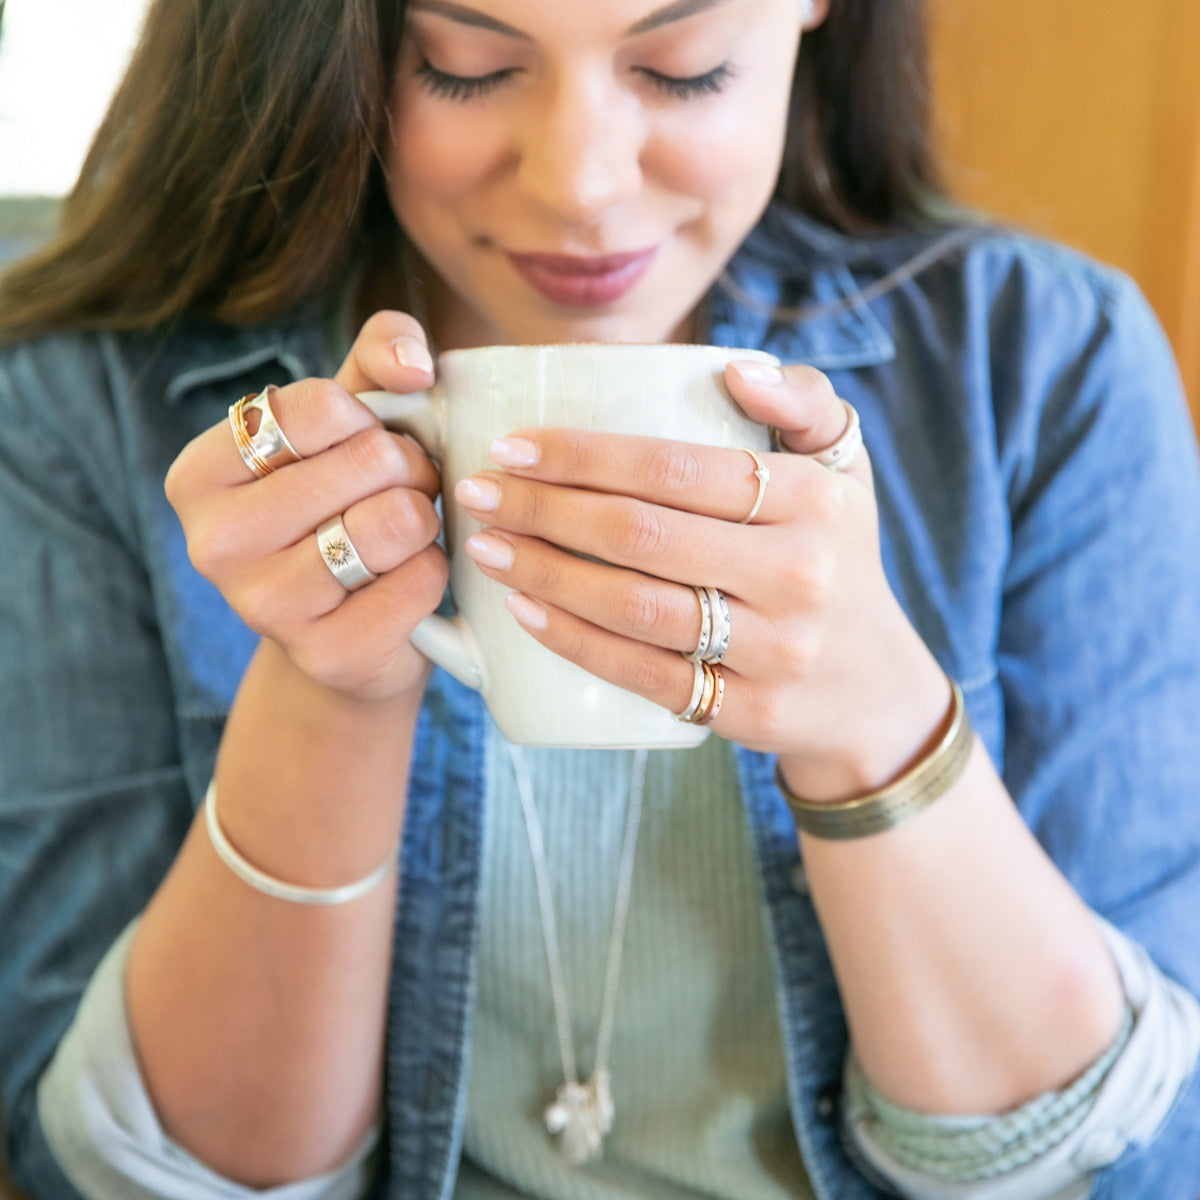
pixel 763 475
pixel 267 448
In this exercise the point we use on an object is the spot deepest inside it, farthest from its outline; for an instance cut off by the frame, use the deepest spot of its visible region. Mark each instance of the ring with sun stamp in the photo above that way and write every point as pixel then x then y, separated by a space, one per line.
pixel 340 556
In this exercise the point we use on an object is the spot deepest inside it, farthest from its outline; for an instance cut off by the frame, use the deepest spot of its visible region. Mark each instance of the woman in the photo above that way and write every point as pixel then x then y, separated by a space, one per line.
pixel 742 172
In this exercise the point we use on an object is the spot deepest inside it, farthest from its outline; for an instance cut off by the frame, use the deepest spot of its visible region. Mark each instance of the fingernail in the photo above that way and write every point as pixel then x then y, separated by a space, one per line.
pixel 528 612
pixel 764 374
pixel 513 452
pixel 412 352
pixel 480 494
pixel 490 551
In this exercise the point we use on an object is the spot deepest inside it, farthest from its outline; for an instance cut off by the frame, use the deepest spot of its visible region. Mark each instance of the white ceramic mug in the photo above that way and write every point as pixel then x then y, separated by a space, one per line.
pixel 671 391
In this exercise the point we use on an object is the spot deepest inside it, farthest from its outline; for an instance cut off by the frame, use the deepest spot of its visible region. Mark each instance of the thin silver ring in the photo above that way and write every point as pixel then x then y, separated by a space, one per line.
pixel 689 710
pixel 339 555
pixel 722 626
pixel 845 450
pixel 706 626
pixel 763 475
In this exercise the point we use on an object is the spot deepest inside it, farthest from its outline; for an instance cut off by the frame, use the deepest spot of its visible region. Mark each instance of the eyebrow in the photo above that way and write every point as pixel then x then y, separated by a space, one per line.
pixel 465 15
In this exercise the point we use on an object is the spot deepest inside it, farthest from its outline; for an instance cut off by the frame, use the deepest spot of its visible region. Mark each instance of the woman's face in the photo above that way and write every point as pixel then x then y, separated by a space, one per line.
pixel 582 170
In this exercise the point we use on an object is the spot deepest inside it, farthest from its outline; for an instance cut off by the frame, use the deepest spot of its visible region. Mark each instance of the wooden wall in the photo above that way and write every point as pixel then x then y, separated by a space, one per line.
pixel 1080 119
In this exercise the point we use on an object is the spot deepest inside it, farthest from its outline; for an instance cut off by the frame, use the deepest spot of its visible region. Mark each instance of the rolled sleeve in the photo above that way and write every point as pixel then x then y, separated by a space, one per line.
pixel 102 1129
pixel 1129 1108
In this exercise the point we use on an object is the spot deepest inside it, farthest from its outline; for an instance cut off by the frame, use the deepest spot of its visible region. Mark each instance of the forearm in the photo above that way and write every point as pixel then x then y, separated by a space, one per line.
pixel 259 1024
pixel 973 977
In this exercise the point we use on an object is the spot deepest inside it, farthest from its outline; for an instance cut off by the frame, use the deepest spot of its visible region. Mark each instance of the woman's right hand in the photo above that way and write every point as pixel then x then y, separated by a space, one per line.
pixel 255 539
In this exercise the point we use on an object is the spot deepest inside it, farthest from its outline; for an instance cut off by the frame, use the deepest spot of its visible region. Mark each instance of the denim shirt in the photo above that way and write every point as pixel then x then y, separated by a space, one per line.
pixel 1039 499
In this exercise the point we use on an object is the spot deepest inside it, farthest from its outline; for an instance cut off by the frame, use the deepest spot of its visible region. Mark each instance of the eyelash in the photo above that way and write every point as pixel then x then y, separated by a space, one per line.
pixel 462 88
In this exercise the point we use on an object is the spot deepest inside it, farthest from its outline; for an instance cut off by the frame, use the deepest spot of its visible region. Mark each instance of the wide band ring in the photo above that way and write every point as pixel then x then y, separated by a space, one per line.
pixel 845 450
pixel 763 475
pixel 339 555
pixel 267 448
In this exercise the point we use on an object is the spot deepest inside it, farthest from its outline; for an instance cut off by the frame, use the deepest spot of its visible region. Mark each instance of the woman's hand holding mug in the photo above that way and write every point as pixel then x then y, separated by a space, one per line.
pixel 604 538
pixel 254 537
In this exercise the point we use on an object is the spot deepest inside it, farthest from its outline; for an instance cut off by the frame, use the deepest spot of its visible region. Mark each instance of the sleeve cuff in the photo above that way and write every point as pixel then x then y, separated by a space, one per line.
pixel 1132 1089
pixel 101 1126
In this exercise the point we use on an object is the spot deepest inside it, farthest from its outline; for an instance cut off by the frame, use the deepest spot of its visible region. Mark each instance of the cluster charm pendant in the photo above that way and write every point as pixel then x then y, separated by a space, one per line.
pixel 580 1116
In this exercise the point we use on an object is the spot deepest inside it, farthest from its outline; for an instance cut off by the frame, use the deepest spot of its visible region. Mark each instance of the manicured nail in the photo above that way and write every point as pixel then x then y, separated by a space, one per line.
pixel 528 612
pixel 412 352
pixel 490 551
pixel 513 452
pixel 483 495
pixel 764 374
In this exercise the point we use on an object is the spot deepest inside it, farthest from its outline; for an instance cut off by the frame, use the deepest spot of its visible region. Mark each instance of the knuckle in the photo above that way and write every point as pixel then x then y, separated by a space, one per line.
pixel 671 468
pixel 390 323
pixel 640 529
pixel 649 675
pixel 375 456
pixel 429 575
pixel 210 546
pixel 403 515
pixel 640 606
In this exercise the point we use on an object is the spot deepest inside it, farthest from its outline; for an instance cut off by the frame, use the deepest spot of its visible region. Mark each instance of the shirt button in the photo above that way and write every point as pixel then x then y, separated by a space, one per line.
pixel 1100 1148
pixel 827 1101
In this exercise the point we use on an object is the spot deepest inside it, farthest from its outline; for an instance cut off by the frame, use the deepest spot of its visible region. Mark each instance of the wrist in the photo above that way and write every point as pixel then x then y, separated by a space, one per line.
pixel 881 740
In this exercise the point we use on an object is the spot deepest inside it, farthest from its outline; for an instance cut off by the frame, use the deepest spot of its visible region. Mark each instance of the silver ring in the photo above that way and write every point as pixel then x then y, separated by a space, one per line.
pixel 689 710
pixel 845 450
pixel 706 626
pixel 267 448
pixel 722 626
pixel 763 475
pixel 339 555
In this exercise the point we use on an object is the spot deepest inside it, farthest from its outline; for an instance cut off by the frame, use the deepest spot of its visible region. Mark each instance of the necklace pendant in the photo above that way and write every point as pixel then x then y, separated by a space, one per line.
pixel 581 1115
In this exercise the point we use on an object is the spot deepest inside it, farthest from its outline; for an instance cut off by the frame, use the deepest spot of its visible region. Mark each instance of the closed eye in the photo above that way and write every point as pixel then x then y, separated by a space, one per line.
pixel 460 87
pixel 711 83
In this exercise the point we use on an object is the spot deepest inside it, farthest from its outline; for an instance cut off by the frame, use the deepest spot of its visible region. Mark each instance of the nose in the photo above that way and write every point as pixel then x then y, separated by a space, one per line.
pixel 581 150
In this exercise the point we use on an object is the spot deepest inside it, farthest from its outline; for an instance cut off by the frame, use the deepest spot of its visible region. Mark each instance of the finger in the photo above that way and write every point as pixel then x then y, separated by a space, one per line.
pixel 233 529
pixel 797 400
pixel 362 645
pixel 314 415
pixel 710 481
pixel 280 595
pixel 386 530
pixel 390 353
pixel 660 675
pixel 629 603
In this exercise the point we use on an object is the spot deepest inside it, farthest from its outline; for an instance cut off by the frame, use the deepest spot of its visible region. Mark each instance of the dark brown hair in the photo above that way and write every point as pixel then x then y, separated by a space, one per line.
pixel 237 168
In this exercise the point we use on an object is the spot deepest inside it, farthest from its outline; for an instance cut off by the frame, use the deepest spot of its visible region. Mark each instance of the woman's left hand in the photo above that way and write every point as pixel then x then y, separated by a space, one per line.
pixel 823 667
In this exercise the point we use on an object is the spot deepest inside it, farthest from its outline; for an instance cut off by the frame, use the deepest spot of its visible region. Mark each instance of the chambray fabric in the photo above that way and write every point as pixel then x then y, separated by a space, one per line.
pixel 1040 518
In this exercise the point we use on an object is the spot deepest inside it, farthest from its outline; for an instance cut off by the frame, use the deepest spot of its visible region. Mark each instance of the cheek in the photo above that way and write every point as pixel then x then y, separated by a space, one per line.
pixel 437 154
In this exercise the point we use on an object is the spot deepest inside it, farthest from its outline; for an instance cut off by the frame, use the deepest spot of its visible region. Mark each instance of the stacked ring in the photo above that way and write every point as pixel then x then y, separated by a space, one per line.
pixel 715 626
pixel 708 693
pixel 267 448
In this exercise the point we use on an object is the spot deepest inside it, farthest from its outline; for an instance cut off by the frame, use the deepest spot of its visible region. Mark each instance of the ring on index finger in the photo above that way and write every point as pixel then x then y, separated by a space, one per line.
pixel 267 448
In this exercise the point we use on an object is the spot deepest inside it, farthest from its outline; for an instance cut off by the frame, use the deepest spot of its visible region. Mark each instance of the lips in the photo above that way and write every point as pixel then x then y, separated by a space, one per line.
pixel 583 282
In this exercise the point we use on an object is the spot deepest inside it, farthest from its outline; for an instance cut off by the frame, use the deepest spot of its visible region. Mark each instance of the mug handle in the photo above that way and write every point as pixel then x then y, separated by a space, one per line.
pixel 446 641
